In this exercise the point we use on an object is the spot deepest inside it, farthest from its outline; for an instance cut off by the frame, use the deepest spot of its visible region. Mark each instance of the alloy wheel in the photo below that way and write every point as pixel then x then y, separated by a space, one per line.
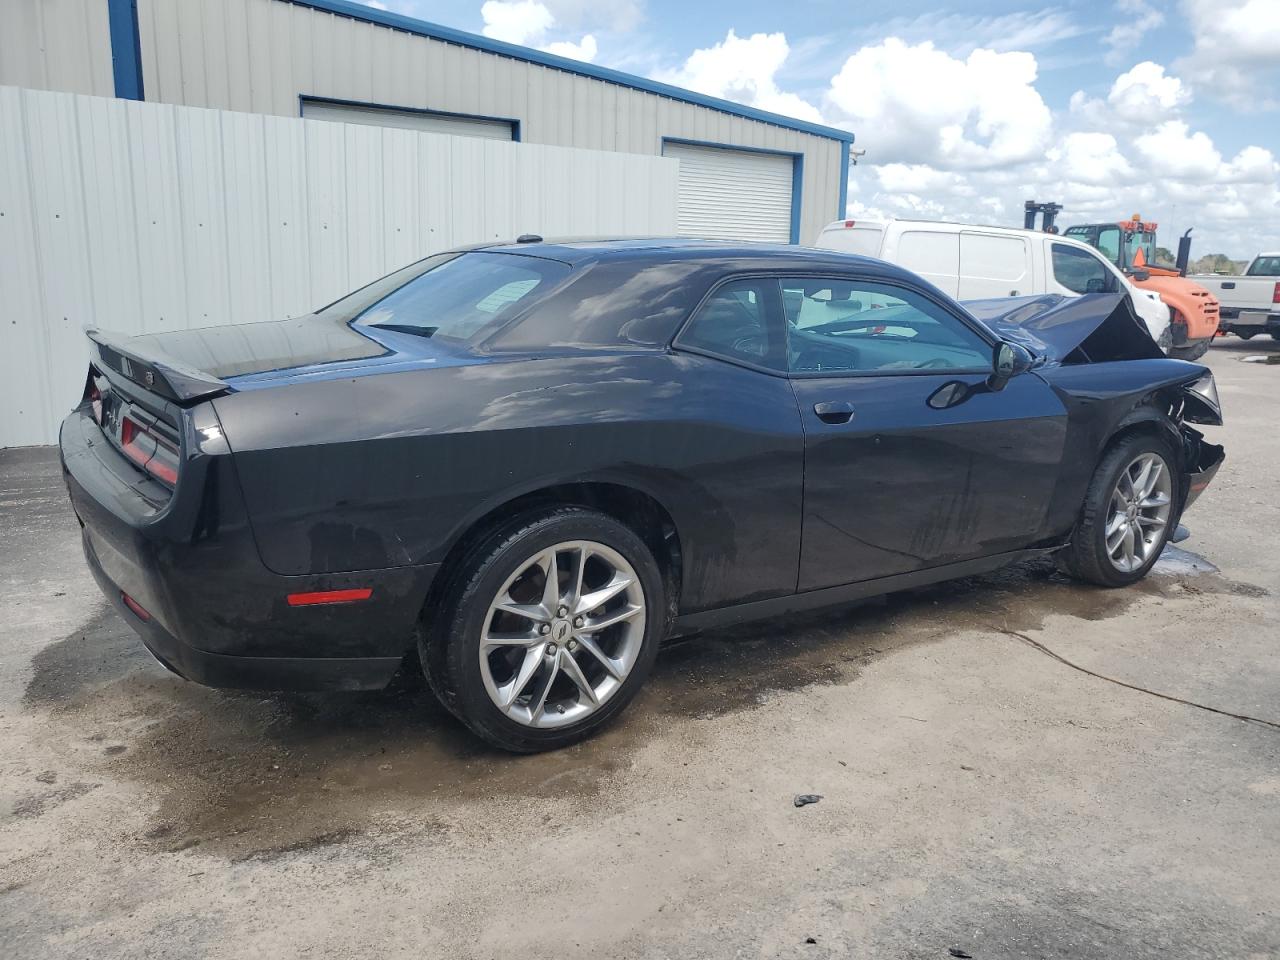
pixel 1141 503
pixel 562 634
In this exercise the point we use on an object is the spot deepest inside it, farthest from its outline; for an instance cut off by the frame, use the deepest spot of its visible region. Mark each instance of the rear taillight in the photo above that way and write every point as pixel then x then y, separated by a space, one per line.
pixel 1275 293
pixel 149 450
pixel 137 609
pixel 93 395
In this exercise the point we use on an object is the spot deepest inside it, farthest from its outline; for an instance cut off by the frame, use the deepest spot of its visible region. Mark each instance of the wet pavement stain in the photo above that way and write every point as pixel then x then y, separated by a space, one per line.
pixel 252 776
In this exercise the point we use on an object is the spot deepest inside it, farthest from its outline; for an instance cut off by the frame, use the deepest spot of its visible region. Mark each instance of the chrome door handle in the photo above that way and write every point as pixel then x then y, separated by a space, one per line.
pixel 834 411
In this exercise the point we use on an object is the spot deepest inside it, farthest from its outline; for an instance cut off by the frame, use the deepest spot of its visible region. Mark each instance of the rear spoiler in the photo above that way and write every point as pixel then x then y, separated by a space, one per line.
pixel 153 370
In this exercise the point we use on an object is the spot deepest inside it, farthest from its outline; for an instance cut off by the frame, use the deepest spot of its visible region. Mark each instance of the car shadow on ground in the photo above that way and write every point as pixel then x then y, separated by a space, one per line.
pixel 260 775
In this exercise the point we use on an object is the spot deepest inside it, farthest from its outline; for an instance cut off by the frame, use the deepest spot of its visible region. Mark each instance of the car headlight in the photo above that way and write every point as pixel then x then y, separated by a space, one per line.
pixel 1202 404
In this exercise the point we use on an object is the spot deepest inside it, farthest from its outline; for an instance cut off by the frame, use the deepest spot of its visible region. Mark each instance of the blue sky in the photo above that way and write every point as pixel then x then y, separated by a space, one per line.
pixel 1171 108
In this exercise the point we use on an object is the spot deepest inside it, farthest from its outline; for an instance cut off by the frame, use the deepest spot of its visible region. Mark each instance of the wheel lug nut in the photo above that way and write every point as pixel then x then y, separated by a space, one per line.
pixel 551 648
pixel 562 611
pixel 544 629
pixel 573 644
pixel 578 621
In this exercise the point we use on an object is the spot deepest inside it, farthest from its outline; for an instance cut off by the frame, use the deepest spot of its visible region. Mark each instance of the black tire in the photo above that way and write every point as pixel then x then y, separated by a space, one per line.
pixel 450 637
pixel 1086 557
pixel 1275 336
pixel 1249 335
pixel 1192 351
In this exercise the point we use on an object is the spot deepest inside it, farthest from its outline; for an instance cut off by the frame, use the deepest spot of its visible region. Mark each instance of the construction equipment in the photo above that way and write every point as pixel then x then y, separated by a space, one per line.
pixel 1131 246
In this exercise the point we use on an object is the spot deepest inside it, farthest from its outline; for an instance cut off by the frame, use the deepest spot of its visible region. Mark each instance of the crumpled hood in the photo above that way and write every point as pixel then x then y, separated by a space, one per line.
pixel 1092 328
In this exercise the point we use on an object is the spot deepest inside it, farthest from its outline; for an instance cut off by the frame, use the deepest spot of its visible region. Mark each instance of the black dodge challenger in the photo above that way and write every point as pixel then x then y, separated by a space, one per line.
pixel 528 463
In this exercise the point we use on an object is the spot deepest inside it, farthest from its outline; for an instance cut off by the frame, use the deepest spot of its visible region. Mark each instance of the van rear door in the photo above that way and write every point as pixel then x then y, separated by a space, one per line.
pixel 934 254
pixel 994 265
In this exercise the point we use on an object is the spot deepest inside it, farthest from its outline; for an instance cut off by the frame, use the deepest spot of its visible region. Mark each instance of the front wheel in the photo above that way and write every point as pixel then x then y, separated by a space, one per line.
pixel 547 629
pixel 1127 514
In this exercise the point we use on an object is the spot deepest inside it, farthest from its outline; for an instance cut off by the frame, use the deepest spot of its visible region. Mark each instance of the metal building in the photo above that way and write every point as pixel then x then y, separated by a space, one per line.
pixel 744 173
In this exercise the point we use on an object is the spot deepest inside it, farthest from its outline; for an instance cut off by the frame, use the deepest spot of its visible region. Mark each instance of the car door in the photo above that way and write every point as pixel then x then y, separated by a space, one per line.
pixel 911 460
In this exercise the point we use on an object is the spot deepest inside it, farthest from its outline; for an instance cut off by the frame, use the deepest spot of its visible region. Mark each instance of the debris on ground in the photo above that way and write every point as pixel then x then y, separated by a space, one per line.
pixel 957 952
pixel 804 799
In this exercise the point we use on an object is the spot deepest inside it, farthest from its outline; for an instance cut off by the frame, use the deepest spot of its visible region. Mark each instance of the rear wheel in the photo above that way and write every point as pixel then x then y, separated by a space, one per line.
pixel 1127 514
pixel 547 630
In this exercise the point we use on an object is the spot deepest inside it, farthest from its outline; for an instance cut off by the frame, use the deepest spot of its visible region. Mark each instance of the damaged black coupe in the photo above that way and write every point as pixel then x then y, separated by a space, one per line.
pixel 526 464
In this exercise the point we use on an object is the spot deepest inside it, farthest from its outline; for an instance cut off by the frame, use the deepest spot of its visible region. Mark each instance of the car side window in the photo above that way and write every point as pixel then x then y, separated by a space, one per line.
pixel 857 326
pixel 1080 271
pixel 734 323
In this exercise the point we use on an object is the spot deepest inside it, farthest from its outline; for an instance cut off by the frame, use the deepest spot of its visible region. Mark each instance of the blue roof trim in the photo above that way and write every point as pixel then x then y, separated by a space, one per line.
pixel 126 50
pixel 396 21
pixel 844 182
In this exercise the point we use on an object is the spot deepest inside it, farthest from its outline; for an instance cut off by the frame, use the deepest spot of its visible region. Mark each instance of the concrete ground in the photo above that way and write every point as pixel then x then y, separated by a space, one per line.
pixel 977 795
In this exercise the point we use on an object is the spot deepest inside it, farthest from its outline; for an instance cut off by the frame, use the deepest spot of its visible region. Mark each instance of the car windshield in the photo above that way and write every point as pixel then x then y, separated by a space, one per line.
pixel 1265 267
pixel 452 295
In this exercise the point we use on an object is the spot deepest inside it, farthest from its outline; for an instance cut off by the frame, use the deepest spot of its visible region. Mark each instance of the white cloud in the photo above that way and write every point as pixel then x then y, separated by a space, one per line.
pixel 376 5
pixel 516 21
pixel 1091 157
pixel 922 104
pixel 585 49
pixel 1145 93
pixel 962 33
pixel 528 22
pixel 1235 54
pixel 742 69
pixel 1138 18
pixel 1172 150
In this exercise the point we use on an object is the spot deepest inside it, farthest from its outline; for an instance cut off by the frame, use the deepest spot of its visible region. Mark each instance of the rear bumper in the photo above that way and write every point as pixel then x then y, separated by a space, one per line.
pixel 1249 321
pixel 214 613
pixel 244 673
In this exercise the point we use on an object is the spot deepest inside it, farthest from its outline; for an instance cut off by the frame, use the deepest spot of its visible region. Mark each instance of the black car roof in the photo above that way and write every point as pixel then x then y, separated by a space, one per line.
pixel 576 251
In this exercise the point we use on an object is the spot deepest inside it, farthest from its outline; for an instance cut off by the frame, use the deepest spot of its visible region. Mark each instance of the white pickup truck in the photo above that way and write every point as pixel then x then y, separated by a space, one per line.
pixel 1248 304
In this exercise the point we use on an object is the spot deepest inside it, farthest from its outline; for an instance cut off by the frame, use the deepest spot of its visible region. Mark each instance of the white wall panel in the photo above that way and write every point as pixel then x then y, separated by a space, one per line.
pixel 141 217
pixel 56 45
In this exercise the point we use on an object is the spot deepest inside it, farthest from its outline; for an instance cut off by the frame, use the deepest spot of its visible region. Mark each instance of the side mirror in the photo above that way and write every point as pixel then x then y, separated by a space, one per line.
pixel 1007 362
pixel 1141 275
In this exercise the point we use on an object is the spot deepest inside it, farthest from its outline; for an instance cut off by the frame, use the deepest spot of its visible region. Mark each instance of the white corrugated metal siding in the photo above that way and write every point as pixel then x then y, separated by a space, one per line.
pixel 56 45
pixel 141 217
pixel 733 194
pixel 263 55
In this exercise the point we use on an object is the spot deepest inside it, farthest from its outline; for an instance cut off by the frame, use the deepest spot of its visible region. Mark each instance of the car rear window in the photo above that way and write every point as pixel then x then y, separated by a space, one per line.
pixel 456 296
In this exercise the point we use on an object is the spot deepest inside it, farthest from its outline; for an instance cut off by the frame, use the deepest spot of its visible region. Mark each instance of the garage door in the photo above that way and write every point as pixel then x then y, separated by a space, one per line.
pixel 732 194
pixel 406 119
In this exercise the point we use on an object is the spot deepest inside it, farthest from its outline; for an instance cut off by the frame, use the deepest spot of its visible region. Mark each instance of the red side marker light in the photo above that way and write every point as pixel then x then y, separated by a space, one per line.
pixel 137 609
pixel 848 224
pixel 329 596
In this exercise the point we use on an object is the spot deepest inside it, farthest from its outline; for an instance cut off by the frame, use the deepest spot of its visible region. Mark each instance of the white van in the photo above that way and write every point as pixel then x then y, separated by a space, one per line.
pixel 976 263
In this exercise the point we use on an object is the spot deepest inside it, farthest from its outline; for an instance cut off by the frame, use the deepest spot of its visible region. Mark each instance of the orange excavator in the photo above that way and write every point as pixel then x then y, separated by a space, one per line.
pixel 1131 246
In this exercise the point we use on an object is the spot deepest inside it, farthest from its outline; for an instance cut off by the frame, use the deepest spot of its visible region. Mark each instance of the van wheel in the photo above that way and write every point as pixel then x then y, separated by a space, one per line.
pixel 1193 351
pixel 547 629
pixel 1127 515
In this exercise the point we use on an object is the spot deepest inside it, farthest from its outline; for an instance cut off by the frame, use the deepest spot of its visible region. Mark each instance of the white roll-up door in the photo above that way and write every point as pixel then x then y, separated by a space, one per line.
pixel 730 194
pixel 407 119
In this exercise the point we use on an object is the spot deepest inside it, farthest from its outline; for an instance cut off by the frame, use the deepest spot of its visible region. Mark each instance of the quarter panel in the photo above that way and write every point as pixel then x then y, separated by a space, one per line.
pixel 387 470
